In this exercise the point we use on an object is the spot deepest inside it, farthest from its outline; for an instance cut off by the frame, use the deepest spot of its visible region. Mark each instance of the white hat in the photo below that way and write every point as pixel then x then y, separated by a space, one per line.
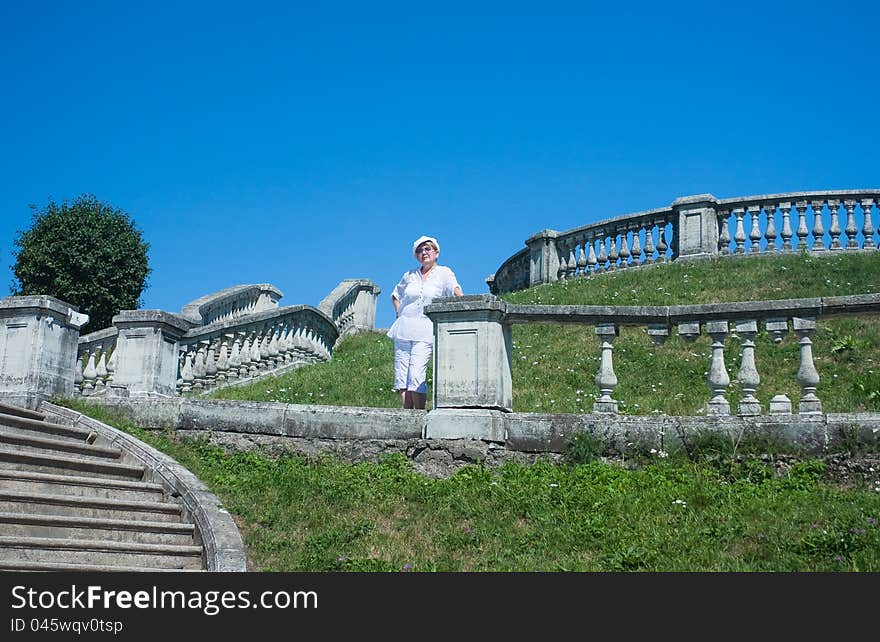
pixel 422 239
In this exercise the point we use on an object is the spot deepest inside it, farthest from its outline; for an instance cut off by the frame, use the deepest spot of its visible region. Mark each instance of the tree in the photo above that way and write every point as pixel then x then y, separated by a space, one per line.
pixel 86 253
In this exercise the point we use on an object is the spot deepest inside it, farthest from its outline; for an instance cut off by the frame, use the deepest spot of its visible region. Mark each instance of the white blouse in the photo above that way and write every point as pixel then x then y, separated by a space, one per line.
pixel 414 293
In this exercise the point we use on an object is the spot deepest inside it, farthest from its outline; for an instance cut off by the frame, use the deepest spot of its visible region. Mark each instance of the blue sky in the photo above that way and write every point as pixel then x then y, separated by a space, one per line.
pixel 304 143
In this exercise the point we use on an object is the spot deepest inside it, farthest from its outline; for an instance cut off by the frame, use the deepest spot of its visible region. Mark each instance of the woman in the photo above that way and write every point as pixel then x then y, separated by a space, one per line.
pixel 413 332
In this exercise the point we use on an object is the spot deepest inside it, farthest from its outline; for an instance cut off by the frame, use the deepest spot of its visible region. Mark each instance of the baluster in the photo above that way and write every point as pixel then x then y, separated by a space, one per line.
pixel 606 380
pixel 818 232
pixel 101 371
pixel 770 234
pixel 563 262
pixel 718 378
pixel 234 358
pixel 572 264
pixel 222 362
pixel 187 374
pixel 740 235
pixel 649 244
pixel 90 374
pixel 834 230
pixel 256 364
pixel 755 234
pixel 636 251
pixel 662 245
pixel 624 250
pixel 851 229
pixel 807 376
pixel 613 253
pixel 868 227
pixel 748 374
pixel 603 257
pixel 777 328
pixel 273 349
pixel 582 260
pixel 78 375
pixel 802 232
pixel 786 227
pixel 111 364
pixel 199 369
pixel 724 236
pixel 210 365
pixel 244 370
pixel 592 260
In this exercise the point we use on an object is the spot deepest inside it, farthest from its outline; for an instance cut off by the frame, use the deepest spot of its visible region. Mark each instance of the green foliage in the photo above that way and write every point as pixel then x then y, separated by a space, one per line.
pixel 86 253
pixel 307 514
pixel 583 448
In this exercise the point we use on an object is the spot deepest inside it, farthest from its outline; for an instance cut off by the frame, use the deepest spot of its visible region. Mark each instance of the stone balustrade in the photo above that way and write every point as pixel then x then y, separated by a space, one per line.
pixel 221 339
pixel 473 351
pixel 272 341
pixel 352 306
pixel 38 339
pixel 695 227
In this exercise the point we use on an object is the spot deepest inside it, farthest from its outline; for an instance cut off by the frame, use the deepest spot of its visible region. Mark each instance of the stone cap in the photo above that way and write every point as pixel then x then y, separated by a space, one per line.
pixel 696 198
pixel 42 304
pixel 197 311
pixel 168 321
pixel 327 304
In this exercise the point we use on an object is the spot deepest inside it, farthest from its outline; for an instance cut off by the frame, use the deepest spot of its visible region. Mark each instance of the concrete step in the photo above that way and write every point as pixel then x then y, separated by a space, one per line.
pixel 87 568
pixel 7 409
pixel 12 501
pixel 75 551
pixel 90 528
pixel 15 459
pixel 49 444
pixel 80 486
pixel 47 428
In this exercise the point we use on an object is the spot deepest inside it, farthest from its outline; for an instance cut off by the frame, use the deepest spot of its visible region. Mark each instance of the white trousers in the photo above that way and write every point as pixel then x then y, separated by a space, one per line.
pixel 411 365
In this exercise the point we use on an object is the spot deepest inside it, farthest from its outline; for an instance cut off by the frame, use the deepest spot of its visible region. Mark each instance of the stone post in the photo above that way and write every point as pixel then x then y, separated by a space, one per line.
pixel 147 349
pixel 696 227
pixel 38 343
pixel 472 368
pixel 718 378
pixel 807 375
pixel 543 257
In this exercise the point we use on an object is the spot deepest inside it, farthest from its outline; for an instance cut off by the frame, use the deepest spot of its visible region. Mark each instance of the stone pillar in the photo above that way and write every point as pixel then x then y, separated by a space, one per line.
pixel 472 369
pixel 38 343
pixel 543 257
pixel 147 349
pixel 365 308
pixel 696 227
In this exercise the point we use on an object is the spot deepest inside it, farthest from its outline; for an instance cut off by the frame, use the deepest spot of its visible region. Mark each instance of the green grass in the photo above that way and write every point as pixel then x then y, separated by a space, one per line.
pixel 706 507
pixel 554 366
pixel 675 514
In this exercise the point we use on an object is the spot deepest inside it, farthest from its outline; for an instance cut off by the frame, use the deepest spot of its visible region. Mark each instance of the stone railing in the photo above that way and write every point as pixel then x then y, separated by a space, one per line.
pixel 232 303
pixel 700 226
pixel 473 349
pixel 268 342
pixel 352 305
pixel 220 339
pixel 38 337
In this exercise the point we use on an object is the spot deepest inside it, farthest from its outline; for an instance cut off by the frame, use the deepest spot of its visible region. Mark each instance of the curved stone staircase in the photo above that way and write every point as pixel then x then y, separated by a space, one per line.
pixel 73 500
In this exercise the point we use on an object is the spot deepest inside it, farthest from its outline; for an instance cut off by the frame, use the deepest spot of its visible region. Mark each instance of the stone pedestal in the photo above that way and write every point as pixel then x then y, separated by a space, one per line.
pixel 465 423
pixel 38 342
pixel 472 353
pixel 147 352
pixel 543 257
pixel 696 227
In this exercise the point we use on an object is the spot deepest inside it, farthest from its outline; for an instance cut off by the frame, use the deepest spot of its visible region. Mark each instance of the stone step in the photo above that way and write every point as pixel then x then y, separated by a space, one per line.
pixel 7 409
pixel 80 486
pixel 76 551
pixel 88 568
pixel 49 444
pixel 46 427
pixel 14 459
pixel 40 503
pixel 89 528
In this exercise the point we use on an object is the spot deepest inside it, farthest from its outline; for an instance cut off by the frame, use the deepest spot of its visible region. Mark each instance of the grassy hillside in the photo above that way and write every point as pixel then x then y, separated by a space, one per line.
pixel 554 366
